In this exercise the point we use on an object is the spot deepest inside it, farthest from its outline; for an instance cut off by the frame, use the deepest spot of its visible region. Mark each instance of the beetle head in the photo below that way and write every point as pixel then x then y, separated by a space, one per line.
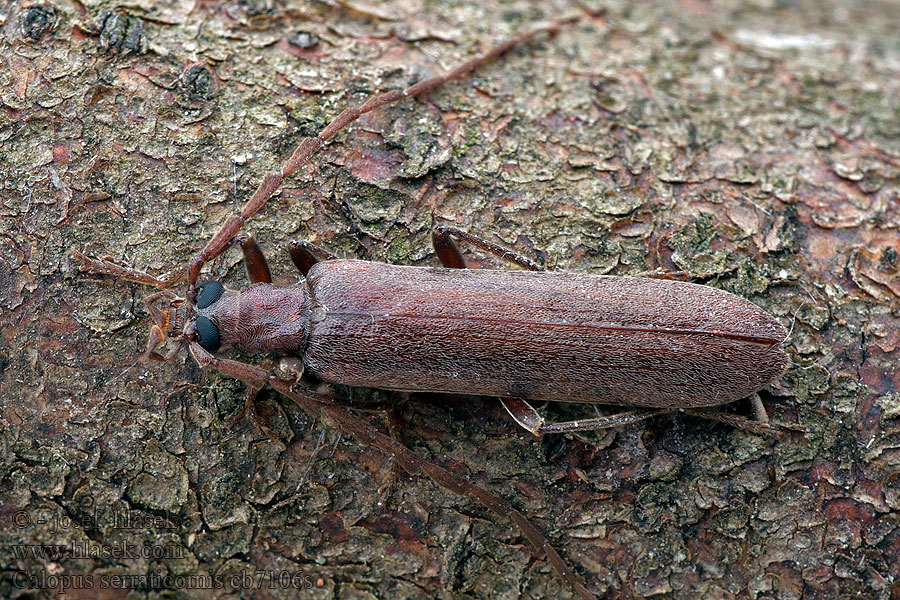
pixel 176 321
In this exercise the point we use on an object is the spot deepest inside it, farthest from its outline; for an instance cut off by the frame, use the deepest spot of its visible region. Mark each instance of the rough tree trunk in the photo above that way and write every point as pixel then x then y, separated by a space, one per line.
pixel 755 146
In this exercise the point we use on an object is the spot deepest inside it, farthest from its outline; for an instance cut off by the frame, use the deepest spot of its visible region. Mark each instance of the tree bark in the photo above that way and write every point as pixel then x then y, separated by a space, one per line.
pixel 755 147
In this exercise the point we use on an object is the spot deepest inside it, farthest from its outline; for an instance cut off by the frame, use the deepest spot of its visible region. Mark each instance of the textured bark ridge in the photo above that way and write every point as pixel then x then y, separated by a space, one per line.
pixel 736 142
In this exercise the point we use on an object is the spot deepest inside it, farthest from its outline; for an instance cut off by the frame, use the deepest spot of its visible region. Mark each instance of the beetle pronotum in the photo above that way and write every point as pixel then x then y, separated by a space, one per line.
pixel 519 335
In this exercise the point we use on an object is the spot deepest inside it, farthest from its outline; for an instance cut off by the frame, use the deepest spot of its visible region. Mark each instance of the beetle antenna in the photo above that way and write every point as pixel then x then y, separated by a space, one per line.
pixel 105 266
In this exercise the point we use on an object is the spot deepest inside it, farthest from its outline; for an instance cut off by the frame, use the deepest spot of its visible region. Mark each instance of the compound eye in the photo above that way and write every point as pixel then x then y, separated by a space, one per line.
pixel 208 334
pixel 210 291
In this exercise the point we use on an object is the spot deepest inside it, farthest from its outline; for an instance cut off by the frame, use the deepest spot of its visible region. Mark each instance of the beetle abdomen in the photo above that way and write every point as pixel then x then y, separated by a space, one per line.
pixel 540 336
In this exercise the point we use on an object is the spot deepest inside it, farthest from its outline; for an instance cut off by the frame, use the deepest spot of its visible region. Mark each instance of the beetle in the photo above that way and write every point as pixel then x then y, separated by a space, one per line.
pixel 520 335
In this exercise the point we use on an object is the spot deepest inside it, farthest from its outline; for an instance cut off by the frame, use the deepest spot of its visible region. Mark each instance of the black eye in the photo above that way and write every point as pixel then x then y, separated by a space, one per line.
pixel 208 334
pixel 210 291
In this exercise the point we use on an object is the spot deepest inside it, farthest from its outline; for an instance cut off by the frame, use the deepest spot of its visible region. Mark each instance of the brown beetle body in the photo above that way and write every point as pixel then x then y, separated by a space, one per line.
pixel 530 335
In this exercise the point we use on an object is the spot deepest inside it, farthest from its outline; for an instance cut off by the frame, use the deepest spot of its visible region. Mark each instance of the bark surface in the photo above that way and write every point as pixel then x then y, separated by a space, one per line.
pixel 754 146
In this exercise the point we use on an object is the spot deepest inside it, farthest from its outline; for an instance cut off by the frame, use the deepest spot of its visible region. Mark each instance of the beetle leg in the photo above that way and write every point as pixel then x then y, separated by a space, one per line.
pixel 305 255
pixel 254 377
pixel 254 260
pixel 524 414
pixel 529 418
pixel 671 275
pixel 738 422
pixel 249 411
pixel 759 411
pixel 450 256
pixel 292 366
pixel 446 249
